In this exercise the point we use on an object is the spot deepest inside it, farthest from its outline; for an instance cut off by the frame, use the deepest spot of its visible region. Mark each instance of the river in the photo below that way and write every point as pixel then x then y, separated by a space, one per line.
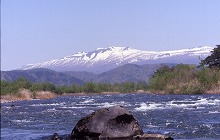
pixel 194 117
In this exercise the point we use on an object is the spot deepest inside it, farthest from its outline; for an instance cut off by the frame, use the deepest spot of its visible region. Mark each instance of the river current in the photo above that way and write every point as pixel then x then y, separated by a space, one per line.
pixel 194 117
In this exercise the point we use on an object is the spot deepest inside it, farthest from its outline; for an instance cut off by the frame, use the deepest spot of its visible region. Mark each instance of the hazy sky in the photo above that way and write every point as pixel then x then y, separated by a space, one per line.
pixel 40 30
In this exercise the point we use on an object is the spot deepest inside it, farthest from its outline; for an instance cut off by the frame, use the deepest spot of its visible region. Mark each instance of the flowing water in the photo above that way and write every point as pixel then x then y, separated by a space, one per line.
pixel 195 117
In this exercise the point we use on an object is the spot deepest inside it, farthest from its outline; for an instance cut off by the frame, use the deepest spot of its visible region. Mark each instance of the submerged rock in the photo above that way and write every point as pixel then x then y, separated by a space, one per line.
pixel 152 137
pixel 56 137
pixel 112 122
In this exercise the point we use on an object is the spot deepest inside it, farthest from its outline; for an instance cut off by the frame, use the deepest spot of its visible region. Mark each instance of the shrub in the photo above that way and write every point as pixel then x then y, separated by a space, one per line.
pixel 44 95
pixel 179 79
pixel 208 77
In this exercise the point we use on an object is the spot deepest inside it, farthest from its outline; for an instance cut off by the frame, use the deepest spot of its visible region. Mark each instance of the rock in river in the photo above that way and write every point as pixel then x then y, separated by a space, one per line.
pixel 110 123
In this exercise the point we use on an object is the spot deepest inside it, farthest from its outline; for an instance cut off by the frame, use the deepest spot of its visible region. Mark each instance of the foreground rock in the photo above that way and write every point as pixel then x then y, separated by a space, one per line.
pixel 111 123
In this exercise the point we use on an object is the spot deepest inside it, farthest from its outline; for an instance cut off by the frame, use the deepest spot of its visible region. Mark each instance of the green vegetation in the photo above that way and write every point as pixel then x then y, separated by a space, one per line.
pixel 214 59
pixel 189 79
pixel 13 88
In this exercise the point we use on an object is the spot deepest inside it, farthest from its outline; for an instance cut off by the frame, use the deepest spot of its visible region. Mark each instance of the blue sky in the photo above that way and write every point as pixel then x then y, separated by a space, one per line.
pixel 34 31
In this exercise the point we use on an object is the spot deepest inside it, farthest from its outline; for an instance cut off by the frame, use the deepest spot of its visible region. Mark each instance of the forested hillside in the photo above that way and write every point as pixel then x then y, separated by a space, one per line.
pixel 183 78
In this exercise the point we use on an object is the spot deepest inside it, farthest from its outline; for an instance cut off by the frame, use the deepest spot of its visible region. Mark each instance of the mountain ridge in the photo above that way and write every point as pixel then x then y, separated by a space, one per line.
pixel 125 73
pixel 104 59
pixel 41 75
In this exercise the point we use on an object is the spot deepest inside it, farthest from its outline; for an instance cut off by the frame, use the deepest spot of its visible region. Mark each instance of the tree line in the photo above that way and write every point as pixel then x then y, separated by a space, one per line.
pixel 187 79
pixel 88 87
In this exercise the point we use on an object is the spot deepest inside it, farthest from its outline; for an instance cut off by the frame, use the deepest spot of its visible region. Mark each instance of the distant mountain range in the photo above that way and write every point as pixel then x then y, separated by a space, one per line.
pixel 108 65
pixel 105 59
pixel 124 73
pixel 40 75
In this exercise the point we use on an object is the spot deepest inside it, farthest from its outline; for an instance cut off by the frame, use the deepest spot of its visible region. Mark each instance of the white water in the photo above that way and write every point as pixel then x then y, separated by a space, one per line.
pixel 180 116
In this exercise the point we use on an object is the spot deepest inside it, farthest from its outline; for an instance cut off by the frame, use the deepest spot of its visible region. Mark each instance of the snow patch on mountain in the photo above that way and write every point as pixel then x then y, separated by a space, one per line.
pixel 111 57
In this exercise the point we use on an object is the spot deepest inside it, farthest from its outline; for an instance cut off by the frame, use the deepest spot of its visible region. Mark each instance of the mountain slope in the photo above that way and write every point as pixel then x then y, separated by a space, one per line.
pixel 128 73
pixel 104 59
pixel 41 75
pixel 82 75
pixel 125 73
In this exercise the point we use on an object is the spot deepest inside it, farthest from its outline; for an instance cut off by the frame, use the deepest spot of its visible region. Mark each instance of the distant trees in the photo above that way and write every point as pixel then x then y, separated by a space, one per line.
pixel 13 87
pixel 89 87
pixel 214 59
pixel 178 79
pixel 186 79
pixel 208 78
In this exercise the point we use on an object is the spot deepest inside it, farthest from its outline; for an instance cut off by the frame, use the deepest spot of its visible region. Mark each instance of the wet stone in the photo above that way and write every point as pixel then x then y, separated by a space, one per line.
pixel 111 123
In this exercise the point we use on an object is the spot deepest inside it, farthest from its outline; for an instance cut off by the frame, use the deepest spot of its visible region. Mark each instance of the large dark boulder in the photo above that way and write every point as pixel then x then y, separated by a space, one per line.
pixel 112 122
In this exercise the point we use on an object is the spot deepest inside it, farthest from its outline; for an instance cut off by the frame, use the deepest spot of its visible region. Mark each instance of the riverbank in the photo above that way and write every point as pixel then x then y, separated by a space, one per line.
pixel 27 95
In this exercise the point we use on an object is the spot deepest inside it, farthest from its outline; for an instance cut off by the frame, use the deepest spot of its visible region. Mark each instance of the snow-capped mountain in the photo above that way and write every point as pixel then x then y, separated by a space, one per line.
pixel 103 59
